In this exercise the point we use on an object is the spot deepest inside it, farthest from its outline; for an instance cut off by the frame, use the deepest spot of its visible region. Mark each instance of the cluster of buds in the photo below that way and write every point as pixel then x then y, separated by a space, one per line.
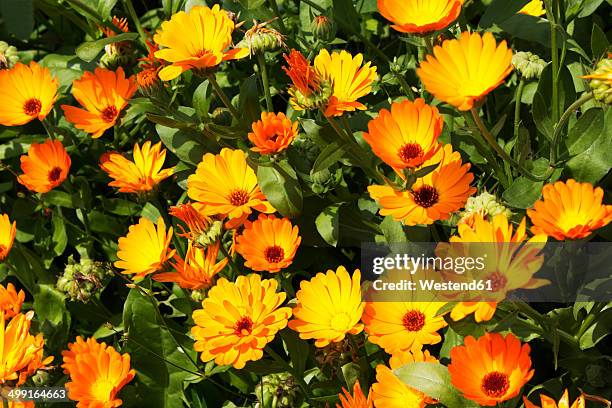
pixel 528 65
pixel 8 55
pixel 323 29
pixel 259 38
pixel 600 80
pixel 80 281
pixel 278 391
pixel 485 205
pixel 117 54
pixel 309 90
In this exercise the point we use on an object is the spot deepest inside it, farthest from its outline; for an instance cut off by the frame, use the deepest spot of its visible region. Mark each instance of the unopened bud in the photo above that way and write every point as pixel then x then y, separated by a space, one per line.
pixel 600 81
pixel 485 205
pixel 528 65
pixel 323 29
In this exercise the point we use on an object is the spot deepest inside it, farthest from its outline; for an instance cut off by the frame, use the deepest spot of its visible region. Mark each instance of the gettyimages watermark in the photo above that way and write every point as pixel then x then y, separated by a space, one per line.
pixel 488 272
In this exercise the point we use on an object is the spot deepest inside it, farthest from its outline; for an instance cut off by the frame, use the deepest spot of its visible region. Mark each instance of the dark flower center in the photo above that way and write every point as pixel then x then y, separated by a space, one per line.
pixel 413 320
pixel 109 114
pixel 410 151
pixel 54 174
pixel 239 197
pixel 495 384
pixel 32 107
pixel 274 254
pixel 498 281
pixel 426 196
pixel 244 326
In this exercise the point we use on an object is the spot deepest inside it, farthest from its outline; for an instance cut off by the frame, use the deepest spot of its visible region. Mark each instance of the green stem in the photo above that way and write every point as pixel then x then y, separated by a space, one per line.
pixel 127 5
pixel 290 369
pixel 540 319
pixel 586 323
pixel 223 96
pixel 48 128
pixel 561 124
pixel 404 85
pixel 550 14
pixel 429 44
pixel 517 108
pixel 261 60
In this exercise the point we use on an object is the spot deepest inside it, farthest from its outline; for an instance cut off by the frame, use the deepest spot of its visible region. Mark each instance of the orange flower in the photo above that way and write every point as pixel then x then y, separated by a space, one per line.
pixel 420 16
pixel 203 230
pixel 141 175
pixel 45 166
pixel 548 402
pixel 7 236
pixel 483 311
pixel 10 300
pixel 357 400
pixel 120 23
pixel 147 77
pixel 268 244
pixel 103 94
pixel 407 136
pixel 307 83
pixel 491 369
pixel 456 73
pixel 569 210
pixel 273 133
pixel 97 373
pixel 28 93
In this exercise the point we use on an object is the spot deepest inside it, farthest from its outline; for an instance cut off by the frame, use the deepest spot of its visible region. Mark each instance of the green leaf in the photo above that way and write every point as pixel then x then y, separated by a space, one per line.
pixel 542 102
pixel 54 319
pixel 150 212
pixel 598 330
pixel 297 350
pixel 589 7
pixel 280 185
pixel 89 50
pixel 595 162
pixel 522 193
pixel 59 238
pixel 18 17
pixel 393 230
pixel 345 13
pixel 201 99
pixel 500 10
pixel 59 198
pixel 105 7
pixel 183 143
pixel 249 101
pixel 599 41
pixel 328 224
pixel 328 157
pixel 584 132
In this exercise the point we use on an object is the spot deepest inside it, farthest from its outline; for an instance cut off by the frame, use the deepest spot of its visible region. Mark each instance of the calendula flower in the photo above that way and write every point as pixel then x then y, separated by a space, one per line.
pixel 103 94
pixel 225 185
pixel 145 249
pixel 406 136
pixel 455 73
pixel 491 369
pixel 141 175
pixel 148 76
pixel 269 243
pixel 600 80
pixel 198 39
pixel 260 38
pixel 97 373
pixel 569 210
pixel 482 311
pixel 28 93
pixel 273 133
pixel 117 53
pixel 420 16
pixel 203 230
pixel 7 235
pixel 533 8
pixel 357 400
pixel 431 198
pixel 547 402
pixel 329 307
pixel 238 319
pixel 45 167
pixel 10 300
pixel 390 392
pixel 309 89
pixel 197 270
pixel 403 326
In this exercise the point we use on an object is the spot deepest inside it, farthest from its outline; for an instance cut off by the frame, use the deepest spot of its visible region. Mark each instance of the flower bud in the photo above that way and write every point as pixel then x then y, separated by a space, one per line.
pixel 8 55
pixel 323 29
pixel 259 38
pixel 278 391
pixel 600 81
pixel 80 281
pixel 528 65
pixel 485 205
pixel 325 180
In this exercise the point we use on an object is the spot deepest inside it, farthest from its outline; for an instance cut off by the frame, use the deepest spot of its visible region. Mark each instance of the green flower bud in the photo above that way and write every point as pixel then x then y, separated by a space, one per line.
pixel 528 65
pixel 323 29
pixel 40 378
pixel 278 391
pixel 212 234
pixel 8 55
pixel 80 281
pixel 313 100
pixel 485 205
pixel 325 180
pixel 600 81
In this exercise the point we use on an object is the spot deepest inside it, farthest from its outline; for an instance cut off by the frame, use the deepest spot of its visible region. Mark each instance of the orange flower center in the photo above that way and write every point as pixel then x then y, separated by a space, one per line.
pixel 54 174
pixel 244 326
pixel 274 254
pixel 410 151
pixel 426 196
pixel 413 320
pixel 238 197
pixel 498 281
pixel 495 384
pixel 109 114
pixel 32 107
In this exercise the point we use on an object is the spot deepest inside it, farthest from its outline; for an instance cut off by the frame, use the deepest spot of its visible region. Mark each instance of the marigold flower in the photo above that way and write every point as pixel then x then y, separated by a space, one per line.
pixel 147 78
pixel 491 369
pixel 569 210
pixel 103 94
pixel 117 53
pixel 28 93
pixel 328 307
pixel 7 235
pixel 533 8
pixel 273 133
pixel 357 400
pixel 145 249
pixel 225 185
pixel 141 175
pixel 600 80
pixel 418 16
pixel 455 73
pixel 198 39
pixel 10 300
pixel 309 89
pixel 433 197
pixel 203 230
pixel 260 38
pixel 406 136
pixel 269 243
pixel 197 270
pixel 97 373
pixel 547 402
pixel 390 392
pixel 238 319
pixel 482 311
pixel 45 167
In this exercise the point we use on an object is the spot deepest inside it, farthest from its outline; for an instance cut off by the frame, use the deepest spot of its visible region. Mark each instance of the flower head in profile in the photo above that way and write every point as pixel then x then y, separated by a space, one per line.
pixel 7 235
pixel 569 210
pixel 10 300
pixel 118 53
pixel 202 230
pixel 600 80
pixel 225 185
pixel 309 90
pixel 356 400
pixel 406 136
pixel 269 243
pixel 261 38
pixel 534 8
pixel 198 39
pixel 141 175
pixel 197 270
pixel 564 402
pixel 45 167
pixel 145 249
pixel 97 373
pixel 103 94
pixel 238 319
pixel 420 16
pixel 148 76
pixel 273 133
pixel 457 74
pixel 329 307
pixel 491 369
pixel 28 93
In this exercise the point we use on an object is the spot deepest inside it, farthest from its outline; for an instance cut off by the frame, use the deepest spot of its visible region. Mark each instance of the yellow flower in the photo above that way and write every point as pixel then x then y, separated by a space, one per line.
pixel 483 311
pixel 463 71
pixel 237 320
pixel 145 248
pixel 547 402
pixel 328 307
pixel 28 93
pixel 198 39
pixel 7 236
pixel 10 300
pixel 141 175
pixel 420 16
pixel 533 8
